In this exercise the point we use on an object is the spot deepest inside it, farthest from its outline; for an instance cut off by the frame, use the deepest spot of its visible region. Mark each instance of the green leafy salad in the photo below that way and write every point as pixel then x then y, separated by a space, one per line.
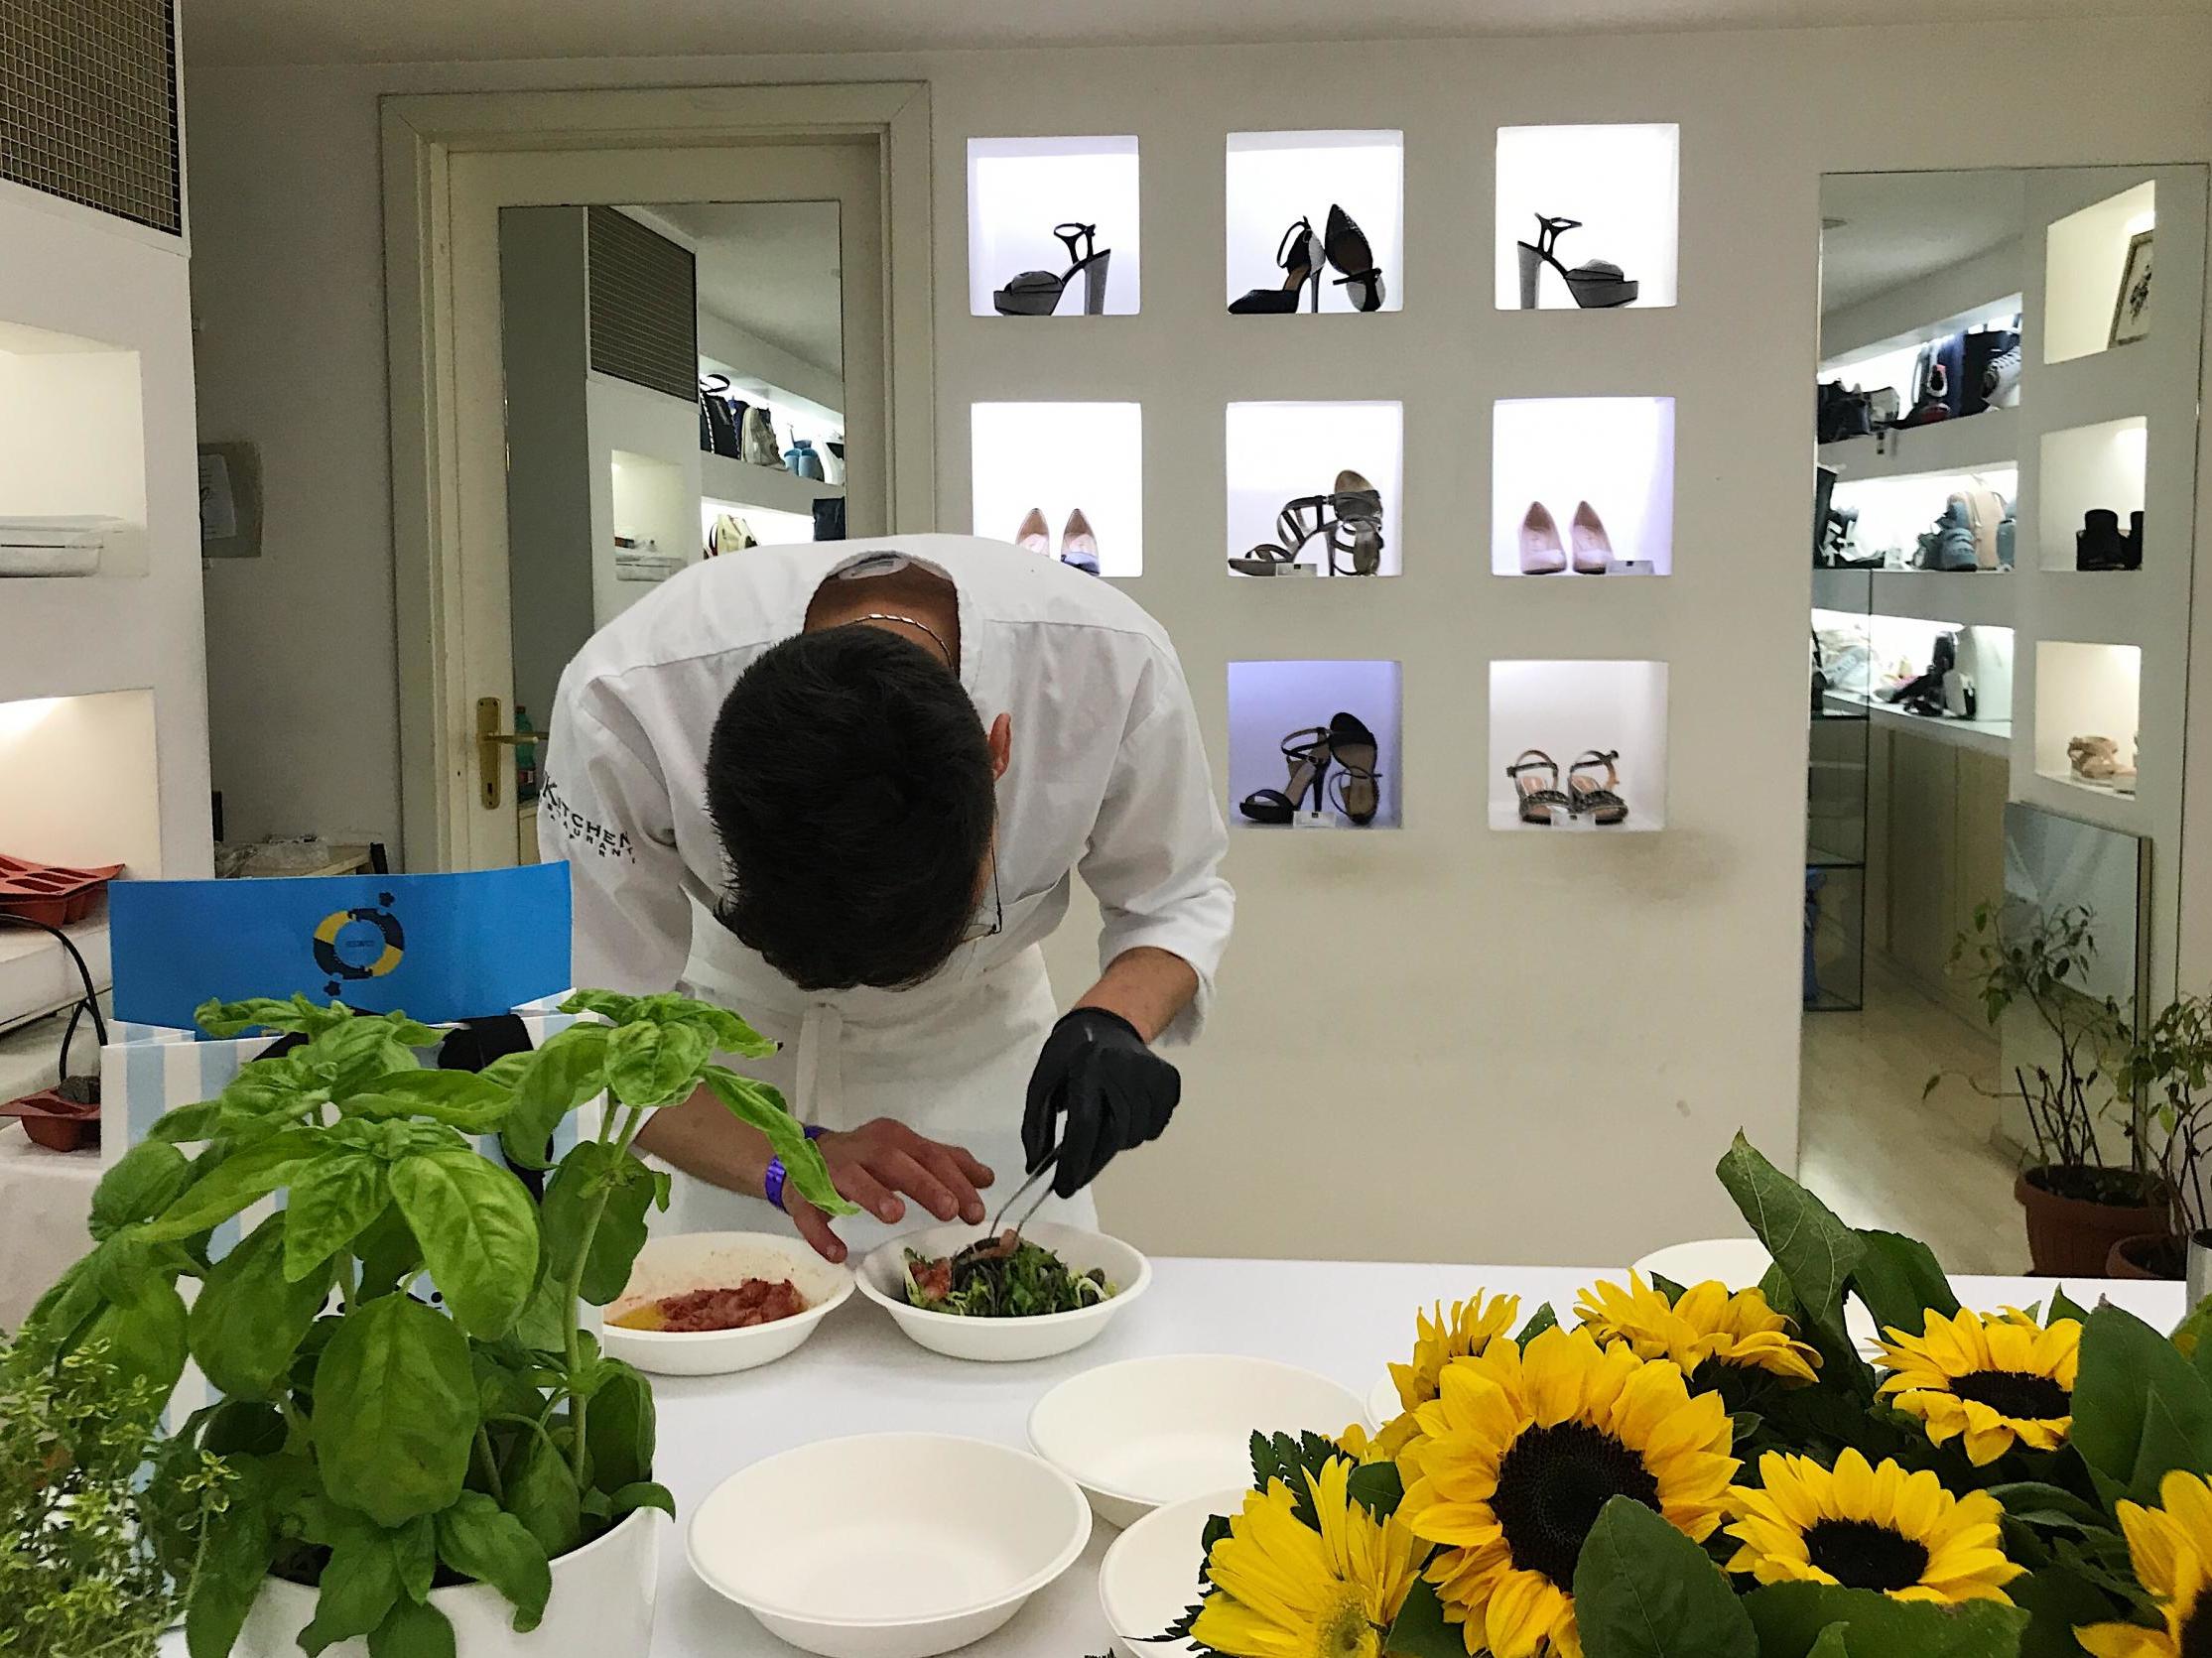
pixel 1005 1277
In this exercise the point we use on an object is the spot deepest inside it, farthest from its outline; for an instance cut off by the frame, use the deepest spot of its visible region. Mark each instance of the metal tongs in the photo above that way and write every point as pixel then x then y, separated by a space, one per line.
pixel 998 1243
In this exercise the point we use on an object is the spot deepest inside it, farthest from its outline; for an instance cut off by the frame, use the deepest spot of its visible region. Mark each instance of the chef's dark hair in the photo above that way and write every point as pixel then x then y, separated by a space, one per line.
pixel 850 783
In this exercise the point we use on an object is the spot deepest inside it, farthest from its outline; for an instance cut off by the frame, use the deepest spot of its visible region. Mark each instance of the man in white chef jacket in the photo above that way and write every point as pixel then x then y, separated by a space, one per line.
pixel 841 789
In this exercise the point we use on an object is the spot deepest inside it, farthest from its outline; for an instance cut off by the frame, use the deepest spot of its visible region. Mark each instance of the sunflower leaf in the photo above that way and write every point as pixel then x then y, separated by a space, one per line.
pixel 1421 1630
pixel 2140 1408
pixel 1644 1589
pixel 2063 1306
pixel 1792 1620
pixel 1377 1487
pixel 1900 1281
pixel 2057 1602
pixel 1812 1250
pixel 1541 1319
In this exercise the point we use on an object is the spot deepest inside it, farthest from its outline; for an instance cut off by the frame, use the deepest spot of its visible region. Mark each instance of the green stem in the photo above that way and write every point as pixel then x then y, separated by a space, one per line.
pixel 490 1465
pixel 579 1407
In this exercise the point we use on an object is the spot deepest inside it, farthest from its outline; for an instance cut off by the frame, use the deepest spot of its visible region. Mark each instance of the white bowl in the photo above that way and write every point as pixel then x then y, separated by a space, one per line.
pixel 1737 1262
pixel 1149 1577
pixel 888 1545
pixel 1146 1432
pixel 1382 1403
pixel 707 1260
pixel 883 1281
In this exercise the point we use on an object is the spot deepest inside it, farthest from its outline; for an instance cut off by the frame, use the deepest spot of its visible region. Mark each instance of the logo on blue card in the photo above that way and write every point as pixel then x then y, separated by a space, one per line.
pixel 363 943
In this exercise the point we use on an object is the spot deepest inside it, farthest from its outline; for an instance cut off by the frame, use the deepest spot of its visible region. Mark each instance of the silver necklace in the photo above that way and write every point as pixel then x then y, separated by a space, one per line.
pixel 909 621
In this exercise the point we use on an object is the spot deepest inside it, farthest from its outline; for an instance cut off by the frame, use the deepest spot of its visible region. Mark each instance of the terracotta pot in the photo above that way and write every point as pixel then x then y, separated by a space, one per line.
pixel 601 1607
pixel 2073 1236
pixel 2158 1256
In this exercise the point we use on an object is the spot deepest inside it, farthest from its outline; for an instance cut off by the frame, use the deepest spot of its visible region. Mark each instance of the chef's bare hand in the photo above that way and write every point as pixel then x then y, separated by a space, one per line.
pixel 879 1164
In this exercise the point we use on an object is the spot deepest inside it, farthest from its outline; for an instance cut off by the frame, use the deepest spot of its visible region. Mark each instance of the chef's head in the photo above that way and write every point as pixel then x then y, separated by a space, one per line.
pixel 853 785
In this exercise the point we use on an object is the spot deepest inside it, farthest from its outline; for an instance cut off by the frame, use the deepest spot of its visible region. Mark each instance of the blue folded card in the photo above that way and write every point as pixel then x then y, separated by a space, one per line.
pixel 438 947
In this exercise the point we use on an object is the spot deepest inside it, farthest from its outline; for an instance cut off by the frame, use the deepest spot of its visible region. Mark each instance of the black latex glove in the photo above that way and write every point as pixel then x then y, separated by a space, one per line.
pixel 1115 1093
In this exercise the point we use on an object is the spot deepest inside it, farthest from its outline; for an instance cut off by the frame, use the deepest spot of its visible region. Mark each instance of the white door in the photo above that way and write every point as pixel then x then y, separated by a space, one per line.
pixel 482 820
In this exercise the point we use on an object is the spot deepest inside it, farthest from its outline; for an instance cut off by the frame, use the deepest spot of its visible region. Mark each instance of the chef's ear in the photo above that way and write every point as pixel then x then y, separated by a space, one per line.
pixel 1001 740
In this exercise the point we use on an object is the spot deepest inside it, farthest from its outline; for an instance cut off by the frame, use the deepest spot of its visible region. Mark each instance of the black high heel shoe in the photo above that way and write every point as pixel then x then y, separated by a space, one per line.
pixel 1301 256
pixel 1354 748
pixel 1307 753
pixel 1596 283
pixel 1348 250
pixel 1349 516
pixel 1037 292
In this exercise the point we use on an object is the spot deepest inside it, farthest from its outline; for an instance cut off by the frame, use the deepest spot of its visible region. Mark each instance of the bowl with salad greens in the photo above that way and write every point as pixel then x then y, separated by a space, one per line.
pixel 966 1292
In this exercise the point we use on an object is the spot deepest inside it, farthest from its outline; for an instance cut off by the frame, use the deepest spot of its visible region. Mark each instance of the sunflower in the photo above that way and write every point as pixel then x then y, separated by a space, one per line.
pixel 1282 1590
pixel 1363 1447
pixel 2170 1548
pixel 1737 1329
pixel 1996 1382
pixel 1521 1449
pixel 1867 1527
pixel 1442 1337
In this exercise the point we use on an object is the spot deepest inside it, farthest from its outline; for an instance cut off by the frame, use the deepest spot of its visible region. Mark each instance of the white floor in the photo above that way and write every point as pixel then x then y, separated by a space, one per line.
pixel 1881 1156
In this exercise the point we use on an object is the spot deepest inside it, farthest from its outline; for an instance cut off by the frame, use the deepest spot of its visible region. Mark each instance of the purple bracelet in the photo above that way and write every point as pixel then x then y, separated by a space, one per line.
pixel 772 1182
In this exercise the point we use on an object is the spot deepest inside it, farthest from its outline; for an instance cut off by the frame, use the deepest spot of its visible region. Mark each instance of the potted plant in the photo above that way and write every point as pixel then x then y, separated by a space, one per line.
pixel 99 1560
pixel 429 1453
pixel 2077 1205
pixel 2168 1068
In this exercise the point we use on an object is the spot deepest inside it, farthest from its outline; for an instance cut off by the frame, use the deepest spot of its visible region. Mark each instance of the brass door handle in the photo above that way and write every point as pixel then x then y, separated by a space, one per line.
pixel 490 765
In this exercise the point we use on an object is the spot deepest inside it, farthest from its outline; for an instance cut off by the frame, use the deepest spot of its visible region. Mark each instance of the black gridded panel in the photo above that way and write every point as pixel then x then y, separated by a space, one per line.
pixel 644 306
pixel 89 105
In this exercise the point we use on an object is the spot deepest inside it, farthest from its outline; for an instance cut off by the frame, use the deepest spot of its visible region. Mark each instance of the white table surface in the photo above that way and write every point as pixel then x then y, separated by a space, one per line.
pixel 44 1198
pixel 858 1375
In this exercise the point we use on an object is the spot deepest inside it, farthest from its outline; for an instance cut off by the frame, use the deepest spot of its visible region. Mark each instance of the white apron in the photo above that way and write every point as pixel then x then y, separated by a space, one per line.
pixel 951 1058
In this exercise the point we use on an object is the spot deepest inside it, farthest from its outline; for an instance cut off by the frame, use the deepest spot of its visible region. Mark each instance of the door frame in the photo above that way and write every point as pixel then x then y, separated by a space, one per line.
pixel 422 135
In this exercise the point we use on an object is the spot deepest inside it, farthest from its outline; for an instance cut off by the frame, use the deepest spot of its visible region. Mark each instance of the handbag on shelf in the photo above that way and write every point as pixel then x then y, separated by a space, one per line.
pixel 1840 413
pixel 833 462
pixel 731 534
pixel 718 413
pixel 1882 407
pixel 760 440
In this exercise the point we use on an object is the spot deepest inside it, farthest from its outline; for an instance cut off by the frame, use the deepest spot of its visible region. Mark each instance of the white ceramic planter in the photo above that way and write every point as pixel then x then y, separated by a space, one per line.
pixel 602 1605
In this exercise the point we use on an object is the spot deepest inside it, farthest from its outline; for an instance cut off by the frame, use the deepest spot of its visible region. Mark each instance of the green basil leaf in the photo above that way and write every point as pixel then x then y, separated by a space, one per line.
pixel 611 1005
pixel 654 1065
pixel 249 1319
pixel 762 1107
pixel 237 1181
pixel 188 1123
pixel 413 1631
pixel 232 1019
pixel 461 1099
pixel 50 1326
pixel 331 1200
pixel 1643 1590
pixel 395 1410
pixel 729 1033
pixel 592 1174
pixel 555 1080
pixel 388 1252
pixel 619 1429
pixel 1900 1282
pixel 642 1493
pixel 507 1068
pixel 541 1493
pixel 483 1542
pixel 479 1233
pixel 143 1324
pixel 234 1560
pixel 143 1182
pixel 2140 1407
pixel 359 1584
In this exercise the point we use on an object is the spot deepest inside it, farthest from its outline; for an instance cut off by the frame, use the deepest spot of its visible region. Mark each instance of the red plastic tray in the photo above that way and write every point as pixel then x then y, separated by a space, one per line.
pixel 55 1121
pixel 51 893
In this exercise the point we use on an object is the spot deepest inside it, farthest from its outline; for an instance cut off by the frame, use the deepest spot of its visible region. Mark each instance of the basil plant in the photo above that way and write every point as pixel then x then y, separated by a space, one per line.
pixel 407 1398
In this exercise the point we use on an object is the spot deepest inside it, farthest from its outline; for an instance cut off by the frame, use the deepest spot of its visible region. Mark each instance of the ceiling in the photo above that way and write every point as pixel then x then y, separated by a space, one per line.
pixel 771 267
pixel 229 32
pixel 1897 228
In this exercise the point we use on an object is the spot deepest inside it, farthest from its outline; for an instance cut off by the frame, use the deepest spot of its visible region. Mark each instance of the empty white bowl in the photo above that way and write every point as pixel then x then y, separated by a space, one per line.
pixel 1383 1407
pixel 888 1545
pixel 712 1260
pixel 1149 1431
pixel 1149 1577
pixel 1737 1262
pixel 883 1281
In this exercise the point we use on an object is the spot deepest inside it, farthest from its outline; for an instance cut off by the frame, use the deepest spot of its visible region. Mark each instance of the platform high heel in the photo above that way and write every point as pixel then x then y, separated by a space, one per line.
pixel 1348 250
pixel 1301 257
pixel 1348 516
pixel 1307 753
pixel 1037 292
pixel 1596 283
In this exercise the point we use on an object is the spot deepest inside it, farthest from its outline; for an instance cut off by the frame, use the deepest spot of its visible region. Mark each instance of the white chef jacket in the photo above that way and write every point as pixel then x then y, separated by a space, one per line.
pixel 1108 776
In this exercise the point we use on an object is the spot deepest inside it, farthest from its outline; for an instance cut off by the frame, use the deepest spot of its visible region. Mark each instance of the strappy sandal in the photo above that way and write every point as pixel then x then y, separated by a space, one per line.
pixel 1600 801
pixel 1352 746
pixel 1349 517
pixel 1307 754
pixel 1539 798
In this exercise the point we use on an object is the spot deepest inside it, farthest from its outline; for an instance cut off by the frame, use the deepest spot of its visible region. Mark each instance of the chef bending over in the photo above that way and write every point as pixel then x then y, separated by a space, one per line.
pixel 839 789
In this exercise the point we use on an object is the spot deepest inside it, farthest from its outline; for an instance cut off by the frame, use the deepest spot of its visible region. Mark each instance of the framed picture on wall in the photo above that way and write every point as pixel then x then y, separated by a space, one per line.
pixel 2131 310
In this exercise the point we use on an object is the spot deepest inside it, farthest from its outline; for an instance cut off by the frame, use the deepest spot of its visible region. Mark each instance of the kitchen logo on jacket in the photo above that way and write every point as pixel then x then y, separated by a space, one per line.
pixel 363 943
pixel 609 843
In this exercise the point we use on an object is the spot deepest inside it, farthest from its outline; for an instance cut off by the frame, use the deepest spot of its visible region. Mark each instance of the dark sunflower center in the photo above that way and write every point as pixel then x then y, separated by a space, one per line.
pixel 1551 1484
pixel 2196 1631
pixel 1862 1555
pixel 2023 1398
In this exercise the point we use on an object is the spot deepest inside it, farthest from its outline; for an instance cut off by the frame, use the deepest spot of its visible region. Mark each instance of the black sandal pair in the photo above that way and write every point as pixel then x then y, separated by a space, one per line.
pixel 1345 743
pixel 1304 258
pixel 1584 797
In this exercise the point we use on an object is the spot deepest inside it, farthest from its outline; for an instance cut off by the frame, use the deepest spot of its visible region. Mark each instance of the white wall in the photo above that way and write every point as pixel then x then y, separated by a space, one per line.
pixel 1439 1042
